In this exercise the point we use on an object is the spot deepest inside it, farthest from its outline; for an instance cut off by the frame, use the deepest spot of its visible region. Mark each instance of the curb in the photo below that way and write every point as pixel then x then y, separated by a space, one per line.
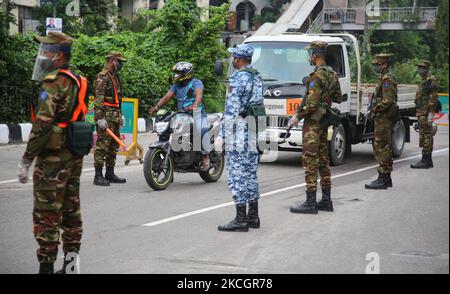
pixel 19 133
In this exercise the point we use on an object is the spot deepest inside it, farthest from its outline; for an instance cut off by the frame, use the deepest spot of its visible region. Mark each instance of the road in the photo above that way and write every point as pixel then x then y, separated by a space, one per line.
pixel 132 229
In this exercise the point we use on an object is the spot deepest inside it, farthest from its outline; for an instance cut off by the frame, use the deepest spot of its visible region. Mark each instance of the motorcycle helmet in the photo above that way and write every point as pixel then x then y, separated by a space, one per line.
pixel 183 72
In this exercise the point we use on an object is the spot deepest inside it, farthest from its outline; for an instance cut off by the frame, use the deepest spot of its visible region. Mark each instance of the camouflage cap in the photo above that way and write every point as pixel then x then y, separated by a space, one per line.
pixel 242 51
pixel 317 45
pixel 116 55
pixel 382 58
pixel 55 38
pixel 424 63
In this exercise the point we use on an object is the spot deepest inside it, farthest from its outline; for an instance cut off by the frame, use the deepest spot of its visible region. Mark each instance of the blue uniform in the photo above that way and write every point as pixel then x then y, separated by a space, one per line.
pixel 241 151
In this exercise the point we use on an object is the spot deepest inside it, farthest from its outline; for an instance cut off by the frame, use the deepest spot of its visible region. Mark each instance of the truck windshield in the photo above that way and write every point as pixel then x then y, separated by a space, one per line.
pixel 281 62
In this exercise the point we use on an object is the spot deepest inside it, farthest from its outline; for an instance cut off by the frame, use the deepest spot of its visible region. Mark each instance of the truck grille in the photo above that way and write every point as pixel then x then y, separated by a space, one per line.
pixel 277 121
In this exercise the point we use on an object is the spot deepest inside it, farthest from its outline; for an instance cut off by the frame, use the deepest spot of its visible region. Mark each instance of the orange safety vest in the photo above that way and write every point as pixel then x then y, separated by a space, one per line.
pixel 116 96
pixel 80 110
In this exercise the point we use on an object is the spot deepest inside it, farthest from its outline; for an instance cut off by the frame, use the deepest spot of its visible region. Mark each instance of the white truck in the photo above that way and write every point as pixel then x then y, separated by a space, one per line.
pixel 283 62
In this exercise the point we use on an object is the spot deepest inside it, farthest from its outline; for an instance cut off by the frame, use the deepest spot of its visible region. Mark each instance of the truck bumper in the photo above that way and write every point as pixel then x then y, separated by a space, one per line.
pixel 294 139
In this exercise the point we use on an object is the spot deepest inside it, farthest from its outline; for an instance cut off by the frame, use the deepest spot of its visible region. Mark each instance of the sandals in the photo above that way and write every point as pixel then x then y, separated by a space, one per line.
pixel 205 168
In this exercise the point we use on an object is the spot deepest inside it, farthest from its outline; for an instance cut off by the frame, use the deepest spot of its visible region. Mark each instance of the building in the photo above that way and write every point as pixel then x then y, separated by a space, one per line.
pixel 242 12
pixel 22 12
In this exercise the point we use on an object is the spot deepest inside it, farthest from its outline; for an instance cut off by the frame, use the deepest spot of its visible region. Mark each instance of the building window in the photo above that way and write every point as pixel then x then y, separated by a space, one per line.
pixel 245 11
pixel 153 4
pixel 24 14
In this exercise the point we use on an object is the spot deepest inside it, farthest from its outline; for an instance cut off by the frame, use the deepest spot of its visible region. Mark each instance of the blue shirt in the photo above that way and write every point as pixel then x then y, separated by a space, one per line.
pixel 184 96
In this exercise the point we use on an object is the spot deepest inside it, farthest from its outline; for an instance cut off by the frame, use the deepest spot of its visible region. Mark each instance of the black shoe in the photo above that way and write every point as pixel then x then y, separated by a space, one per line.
pixel 252 216
pixel 45 268
pixel 423 163
pixel 325 204
pixel 430 160
pixel 308 207
pixel 112 177
pixel 380 183
pixel 99 180
pixel 239 223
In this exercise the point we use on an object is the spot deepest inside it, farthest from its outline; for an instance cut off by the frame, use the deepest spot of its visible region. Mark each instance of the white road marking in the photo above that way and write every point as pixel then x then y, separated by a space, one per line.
pixel 198 211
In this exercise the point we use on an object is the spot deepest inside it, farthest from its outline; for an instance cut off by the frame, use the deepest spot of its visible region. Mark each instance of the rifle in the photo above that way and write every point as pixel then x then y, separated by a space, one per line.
pixel 368 113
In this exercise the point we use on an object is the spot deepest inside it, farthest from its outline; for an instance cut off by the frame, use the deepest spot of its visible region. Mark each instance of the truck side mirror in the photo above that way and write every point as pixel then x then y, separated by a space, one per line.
pixel 218 68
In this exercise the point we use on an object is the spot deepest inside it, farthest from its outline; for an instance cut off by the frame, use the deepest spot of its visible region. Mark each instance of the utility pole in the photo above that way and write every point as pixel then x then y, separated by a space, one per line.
pixel 54 8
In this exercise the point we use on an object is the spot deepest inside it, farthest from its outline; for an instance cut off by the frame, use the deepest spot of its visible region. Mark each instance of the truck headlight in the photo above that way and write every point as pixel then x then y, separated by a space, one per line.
pixel 160 127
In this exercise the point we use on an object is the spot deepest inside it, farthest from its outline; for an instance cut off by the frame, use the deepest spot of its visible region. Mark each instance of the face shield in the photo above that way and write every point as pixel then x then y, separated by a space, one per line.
pixel 45 60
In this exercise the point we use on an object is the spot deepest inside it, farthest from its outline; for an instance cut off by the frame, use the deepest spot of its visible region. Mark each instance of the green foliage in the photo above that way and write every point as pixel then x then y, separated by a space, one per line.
pixel 95 16
pixel 172 34
pixel 16 66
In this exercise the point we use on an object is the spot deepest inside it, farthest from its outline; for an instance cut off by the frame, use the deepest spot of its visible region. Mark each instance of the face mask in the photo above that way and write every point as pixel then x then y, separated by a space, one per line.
pixel 422 71
pixel 42 66
pixel 118 65
pixel 377 68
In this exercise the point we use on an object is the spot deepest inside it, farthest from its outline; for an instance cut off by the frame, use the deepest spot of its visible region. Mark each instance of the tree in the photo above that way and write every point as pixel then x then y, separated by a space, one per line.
pixel 441 60
pixel 95 18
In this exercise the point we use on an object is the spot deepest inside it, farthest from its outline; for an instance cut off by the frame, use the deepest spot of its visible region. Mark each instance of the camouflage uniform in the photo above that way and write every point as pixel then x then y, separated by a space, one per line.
pixel 56 176
pixel 240 144
pixel 106 147
pixel 323 89
pixel 384 108
pixel 241 150
pixel 426 100
pixel 323 86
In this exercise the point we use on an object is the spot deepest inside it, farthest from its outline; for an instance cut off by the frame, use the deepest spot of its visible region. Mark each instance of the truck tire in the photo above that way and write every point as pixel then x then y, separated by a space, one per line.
pixel 398 138
pixel 337 146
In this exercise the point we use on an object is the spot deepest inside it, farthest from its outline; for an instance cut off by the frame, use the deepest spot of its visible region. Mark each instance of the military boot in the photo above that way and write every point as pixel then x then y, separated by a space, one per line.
pixel 430 160
pixel 99 180
pixel 325 204
pixel 388 180
pixel 112 177
pixel 308 207
pixel 239 223
pixel 424 163
pixel 380 183
pixel 45 268
pixel 252 216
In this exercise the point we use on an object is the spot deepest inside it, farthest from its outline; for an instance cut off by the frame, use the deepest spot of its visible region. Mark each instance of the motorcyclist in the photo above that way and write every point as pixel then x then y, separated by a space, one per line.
pixel 188 92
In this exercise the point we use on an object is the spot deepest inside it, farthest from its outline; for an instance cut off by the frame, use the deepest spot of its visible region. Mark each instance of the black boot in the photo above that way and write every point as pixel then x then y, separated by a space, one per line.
pixel 239 224
pixel 325 204
pixel 430 160
pixel 99 180
pixel 308 207
pixel 252 216
pixel 45 268
pixel 424 163
pixel 380 183
pixel 112 177
pixel 388 180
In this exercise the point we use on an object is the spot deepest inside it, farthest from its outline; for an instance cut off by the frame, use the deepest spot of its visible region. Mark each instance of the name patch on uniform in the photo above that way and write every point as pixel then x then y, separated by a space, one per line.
pixel 43 96
pixel 386 85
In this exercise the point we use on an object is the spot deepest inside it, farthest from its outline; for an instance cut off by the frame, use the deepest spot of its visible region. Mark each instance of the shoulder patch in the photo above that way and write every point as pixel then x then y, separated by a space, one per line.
pixel 43 96
pixel 386 84
pixel 312 84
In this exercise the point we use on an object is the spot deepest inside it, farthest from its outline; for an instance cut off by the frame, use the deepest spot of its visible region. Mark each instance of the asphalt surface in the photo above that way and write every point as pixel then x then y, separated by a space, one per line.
pixel 130 228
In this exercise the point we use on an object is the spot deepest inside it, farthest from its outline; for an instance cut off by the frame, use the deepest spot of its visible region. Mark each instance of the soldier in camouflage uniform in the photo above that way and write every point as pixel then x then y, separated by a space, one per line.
pixel 323 89
pixel 108 114
pixel 426 100
pixel 241 150
pixel 384 112
pixel 56 176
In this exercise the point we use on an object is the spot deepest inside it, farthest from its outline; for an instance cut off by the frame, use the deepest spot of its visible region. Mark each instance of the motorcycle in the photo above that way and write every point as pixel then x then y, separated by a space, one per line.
pixel 173 151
